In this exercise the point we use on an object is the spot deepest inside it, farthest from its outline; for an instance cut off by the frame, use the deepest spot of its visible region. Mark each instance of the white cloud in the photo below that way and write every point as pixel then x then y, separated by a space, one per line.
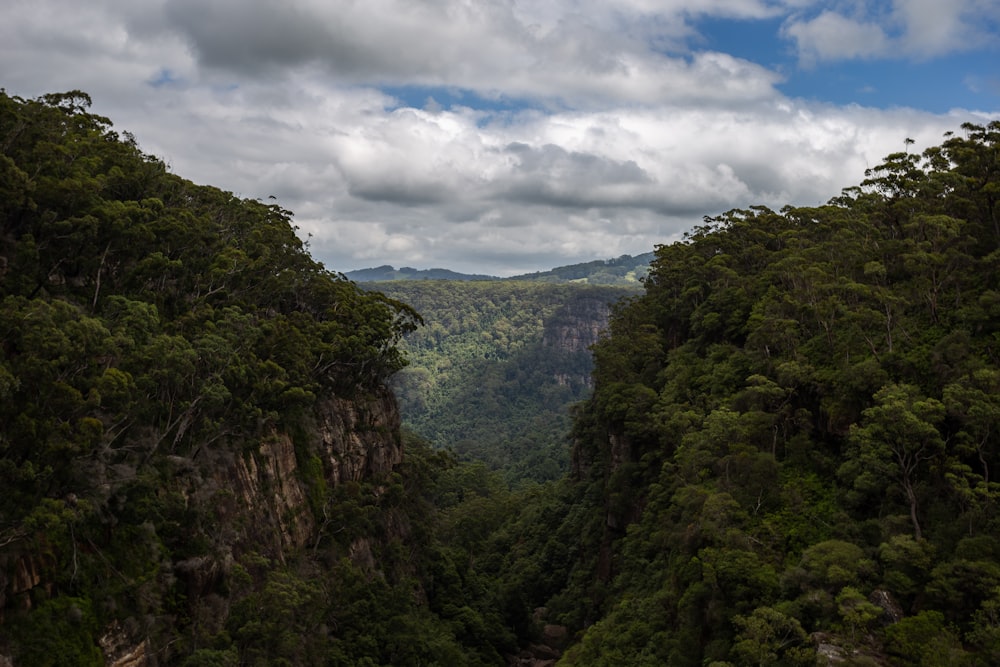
pixel 913 29
pixel 831 36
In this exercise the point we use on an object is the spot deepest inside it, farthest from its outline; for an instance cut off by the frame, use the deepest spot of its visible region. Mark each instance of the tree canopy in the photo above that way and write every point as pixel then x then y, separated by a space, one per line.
pixel 790 431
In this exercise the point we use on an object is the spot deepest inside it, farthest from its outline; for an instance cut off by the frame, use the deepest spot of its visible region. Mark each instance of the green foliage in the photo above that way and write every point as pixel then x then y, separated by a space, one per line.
pixel 60 633
pixel 496 366
pixel 791 435
pixel 769 637
pixel 791 431
pixel 155 336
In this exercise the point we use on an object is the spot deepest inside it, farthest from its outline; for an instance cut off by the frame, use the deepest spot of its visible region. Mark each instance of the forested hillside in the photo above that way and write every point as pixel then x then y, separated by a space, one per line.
pixel 789 455
pixel 200 462
pixel 496 366
pixel 792 449
pixel 624 270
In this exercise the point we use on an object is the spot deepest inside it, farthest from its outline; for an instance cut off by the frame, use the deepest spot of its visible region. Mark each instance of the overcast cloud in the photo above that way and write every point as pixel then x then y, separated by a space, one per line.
pixel 494 136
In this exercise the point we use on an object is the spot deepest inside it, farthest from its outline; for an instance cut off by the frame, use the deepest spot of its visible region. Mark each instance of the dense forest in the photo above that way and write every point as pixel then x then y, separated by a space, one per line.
pixel 792 447
pixel 200 461
pixel 495 368
pixel 788 456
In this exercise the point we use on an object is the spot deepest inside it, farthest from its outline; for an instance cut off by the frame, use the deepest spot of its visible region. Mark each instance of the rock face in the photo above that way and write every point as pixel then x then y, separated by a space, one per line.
pixel 119 652
pixel 261 498
pixel 577 325
pixel 258 495
pixel 571 332
pixel 360 439
pixel 352 440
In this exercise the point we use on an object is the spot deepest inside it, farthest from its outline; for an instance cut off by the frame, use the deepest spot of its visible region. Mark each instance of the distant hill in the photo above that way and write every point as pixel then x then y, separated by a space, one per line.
pixel 389 273
pixel 624 270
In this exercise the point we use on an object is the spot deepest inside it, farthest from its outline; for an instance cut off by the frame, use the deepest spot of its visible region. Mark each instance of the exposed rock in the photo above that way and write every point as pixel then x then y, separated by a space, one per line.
pixel 528 658
pixel 18 581
pixel 891 611
pixel 543 652
pixel 271 491
pixel 556 636
pixel 258 496
pixel 120 651
pixel 829 654
pixel 27 575
pixel 577 325
pixel 834 650
pixel 261 497
pixel 546 653
pixel 360 553
pixel 360 438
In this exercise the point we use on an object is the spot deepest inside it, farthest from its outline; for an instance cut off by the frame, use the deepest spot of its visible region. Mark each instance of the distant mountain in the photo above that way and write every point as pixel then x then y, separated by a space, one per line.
pixel 622 270
pixel 388 273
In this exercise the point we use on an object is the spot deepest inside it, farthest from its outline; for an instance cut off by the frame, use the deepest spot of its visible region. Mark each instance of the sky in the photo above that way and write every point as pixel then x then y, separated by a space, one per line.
pixel 507 136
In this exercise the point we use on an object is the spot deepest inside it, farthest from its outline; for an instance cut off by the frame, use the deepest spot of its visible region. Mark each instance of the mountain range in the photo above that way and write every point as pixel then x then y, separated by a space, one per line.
pixel 623 270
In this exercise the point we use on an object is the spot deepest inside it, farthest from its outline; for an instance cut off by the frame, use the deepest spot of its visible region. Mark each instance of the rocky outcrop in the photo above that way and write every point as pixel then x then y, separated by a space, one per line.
pixel 119 651
pixel 19 579
pixel 577 325
pixel 261 497
pixel 546 652
pixel 360 438
pixel 270 489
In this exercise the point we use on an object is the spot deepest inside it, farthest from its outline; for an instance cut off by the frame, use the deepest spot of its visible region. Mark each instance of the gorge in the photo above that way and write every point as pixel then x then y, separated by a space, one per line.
pixel 781 449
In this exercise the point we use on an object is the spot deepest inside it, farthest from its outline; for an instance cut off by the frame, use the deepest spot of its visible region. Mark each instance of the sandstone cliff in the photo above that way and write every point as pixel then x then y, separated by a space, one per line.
pixel 261 497
pixel 577 325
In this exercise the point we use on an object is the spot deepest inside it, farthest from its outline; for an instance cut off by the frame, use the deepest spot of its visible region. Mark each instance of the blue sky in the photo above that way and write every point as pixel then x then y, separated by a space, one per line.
pixel 503 136
pixel 968 80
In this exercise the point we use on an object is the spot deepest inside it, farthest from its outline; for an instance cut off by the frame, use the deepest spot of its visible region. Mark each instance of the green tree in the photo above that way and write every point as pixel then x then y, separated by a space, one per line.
pixel 898 441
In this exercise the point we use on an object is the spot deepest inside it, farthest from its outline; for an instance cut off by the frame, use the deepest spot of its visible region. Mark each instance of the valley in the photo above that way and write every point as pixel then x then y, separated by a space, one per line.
pixel 778 448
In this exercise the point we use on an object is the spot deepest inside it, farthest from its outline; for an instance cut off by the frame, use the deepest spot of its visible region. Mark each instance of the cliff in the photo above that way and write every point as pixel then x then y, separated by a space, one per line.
pixel 571 331
pixel 264 499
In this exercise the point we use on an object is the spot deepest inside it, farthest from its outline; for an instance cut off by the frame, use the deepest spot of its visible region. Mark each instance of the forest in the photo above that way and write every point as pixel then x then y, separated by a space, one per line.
pixel 495 368
pixel 791 451
pixel 787 453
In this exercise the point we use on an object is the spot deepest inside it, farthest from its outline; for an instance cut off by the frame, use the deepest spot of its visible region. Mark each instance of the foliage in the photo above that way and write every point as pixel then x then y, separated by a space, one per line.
pixel 790 433
pixel 791 437
pixel 155 336
pixel 496 366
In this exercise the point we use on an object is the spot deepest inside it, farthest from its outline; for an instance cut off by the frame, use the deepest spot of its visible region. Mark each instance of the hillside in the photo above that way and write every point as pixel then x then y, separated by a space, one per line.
pixel 624 270
pixel 386 273
pixel 788 455
pixel 791 450
pixel 496 366
pixel 200 460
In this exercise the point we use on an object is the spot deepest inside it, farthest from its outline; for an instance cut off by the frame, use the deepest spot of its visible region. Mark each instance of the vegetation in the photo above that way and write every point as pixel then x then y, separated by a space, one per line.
pixel 790 448
pixel 155 337
pixel 624 270
pixel 792 436
pixel 387 273
pixel 496 367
